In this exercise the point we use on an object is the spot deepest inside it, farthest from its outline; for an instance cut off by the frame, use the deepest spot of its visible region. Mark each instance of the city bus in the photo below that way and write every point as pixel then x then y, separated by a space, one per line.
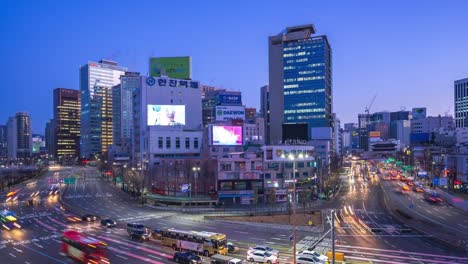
pixel 206 243
pixel 9 220
pixel 83 249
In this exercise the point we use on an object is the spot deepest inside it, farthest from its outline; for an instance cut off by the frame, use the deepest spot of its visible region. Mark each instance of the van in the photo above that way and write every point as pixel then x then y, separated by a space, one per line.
pixel 133 227
pixel 221 259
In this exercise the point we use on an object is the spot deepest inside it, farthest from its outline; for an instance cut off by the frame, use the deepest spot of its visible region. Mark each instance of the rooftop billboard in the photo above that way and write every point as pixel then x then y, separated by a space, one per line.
pixel 173 67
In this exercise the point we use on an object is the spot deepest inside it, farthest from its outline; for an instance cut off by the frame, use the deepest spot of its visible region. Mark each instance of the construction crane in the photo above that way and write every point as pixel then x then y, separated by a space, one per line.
pixel 367 109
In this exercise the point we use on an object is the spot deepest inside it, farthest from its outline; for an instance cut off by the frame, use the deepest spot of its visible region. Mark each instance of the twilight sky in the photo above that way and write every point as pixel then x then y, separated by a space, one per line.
pixel 409 52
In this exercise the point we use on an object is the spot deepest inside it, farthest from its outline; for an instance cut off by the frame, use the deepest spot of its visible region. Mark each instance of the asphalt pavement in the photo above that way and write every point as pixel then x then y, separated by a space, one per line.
pixel 43 223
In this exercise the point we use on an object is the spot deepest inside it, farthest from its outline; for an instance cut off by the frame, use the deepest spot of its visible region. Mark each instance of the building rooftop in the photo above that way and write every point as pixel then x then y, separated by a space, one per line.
pixel 307 27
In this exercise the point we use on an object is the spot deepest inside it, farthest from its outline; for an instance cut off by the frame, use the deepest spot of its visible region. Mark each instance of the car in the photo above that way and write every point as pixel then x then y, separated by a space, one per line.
pixel 53 190
pixel 418 189
pixel 140 235
pixel 410 183
pixel 89 218
pixel 263 248
pixel 186 257
pixel 313 253
pixel 72 219
pixel 135 227
pixel 405 188
pixel 232 248
pixel 108 223
pixel 262 257
pixel 308 259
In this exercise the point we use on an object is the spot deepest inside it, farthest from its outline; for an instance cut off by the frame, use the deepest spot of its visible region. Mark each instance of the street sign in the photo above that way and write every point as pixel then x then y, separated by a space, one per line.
pixel 443 181
pixel 185 187
pixel 118 179
pixel 435 181
pixel 71 180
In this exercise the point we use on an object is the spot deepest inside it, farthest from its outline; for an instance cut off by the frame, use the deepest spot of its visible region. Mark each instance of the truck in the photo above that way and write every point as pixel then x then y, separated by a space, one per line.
pixel 221 259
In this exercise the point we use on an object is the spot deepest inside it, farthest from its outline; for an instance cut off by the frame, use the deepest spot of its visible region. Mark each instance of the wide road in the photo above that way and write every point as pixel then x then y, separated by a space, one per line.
pixel 43 223
pixel 368 232
pixel 448 222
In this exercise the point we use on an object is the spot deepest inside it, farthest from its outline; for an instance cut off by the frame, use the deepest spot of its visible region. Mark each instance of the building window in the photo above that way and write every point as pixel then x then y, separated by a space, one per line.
pixel 177 142
pixel 226 166
pixel 160 142
pixel 279 175
pixel 187 143
pixel 168 142
pixel 195 143
pixel 267 175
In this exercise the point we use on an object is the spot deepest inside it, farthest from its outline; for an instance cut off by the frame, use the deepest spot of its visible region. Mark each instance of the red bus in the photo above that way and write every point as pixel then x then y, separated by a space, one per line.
pixel 84 249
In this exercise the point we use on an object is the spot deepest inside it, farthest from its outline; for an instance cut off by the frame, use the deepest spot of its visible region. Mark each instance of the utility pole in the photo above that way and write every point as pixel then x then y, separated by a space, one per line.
pixel 333 235
pixel 294 209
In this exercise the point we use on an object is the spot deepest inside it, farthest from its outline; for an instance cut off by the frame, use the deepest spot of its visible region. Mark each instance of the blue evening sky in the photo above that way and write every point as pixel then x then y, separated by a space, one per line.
pixel 409 52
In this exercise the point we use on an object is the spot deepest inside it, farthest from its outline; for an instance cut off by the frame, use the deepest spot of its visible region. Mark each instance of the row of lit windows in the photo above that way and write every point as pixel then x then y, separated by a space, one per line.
pixel 301 53
pixel 302 66
pixel 290 86
pixel 289 118
pixel 304 79
pixel 309 110
pixel 304 91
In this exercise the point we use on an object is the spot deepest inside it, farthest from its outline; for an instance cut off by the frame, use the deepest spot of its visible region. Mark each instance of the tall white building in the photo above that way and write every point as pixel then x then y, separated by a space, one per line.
pixel 167 126
pixel 96 82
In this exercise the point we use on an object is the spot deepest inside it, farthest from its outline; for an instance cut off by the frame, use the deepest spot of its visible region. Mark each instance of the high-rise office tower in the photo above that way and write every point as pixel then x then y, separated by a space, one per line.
pixel 96 82
pixel 265 110
pixel 67 108
pixel 461 103
pixel 122 118
pixel 50 137
pixel 300 81
pixel 19 136
pixel 3 141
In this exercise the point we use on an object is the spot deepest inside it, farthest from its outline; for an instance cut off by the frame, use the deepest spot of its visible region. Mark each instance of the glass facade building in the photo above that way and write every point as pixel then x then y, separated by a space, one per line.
pixel 122 103
pixel 67 107
pixel 300 81
pixel 461 102
pixel 307 82
pixel 96 82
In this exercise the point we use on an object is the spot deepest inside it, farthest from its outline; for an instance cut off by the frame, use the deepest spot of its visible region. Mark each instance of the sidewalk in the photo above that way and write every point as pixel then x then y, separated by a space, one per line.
pixel 457 202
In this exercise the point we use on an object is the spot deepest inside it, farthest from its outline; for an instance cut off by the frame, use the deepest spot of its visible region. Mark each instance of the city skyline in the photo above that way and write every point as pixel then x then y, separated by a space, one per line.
pixel 62 48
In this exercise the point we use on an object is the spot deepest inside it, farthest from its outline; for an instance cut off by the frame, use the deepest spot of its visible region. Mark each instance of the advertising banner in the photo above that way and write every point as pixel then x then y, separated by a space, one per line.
pixel 275 153
pixel 173 67
pixel 227 136
pixel 374 134
pixel 225 113
pixel 419 112
pixel 189 245
pixel 234 99
pixel 166 115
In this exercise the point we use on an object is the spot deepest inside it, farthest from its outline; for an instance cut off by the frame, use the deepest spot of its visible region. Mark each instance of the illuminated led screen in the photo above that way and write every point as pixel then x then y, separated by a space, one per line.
pixel 166 115
pixel 227 136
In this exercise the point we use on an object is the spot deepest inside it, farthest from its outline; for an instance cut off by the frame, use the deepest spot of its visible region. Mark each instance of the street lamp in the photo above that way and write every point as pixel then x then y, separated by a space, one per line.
pixel 293 158
pixel 195 170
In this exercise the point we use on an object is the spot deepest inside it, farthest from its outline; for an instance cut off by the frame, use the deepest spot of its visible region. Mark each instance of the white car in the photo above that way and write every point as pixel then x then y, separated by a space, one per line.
pixel 308 259
pixel 263 248
pixel 262 257
pixel 313 253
